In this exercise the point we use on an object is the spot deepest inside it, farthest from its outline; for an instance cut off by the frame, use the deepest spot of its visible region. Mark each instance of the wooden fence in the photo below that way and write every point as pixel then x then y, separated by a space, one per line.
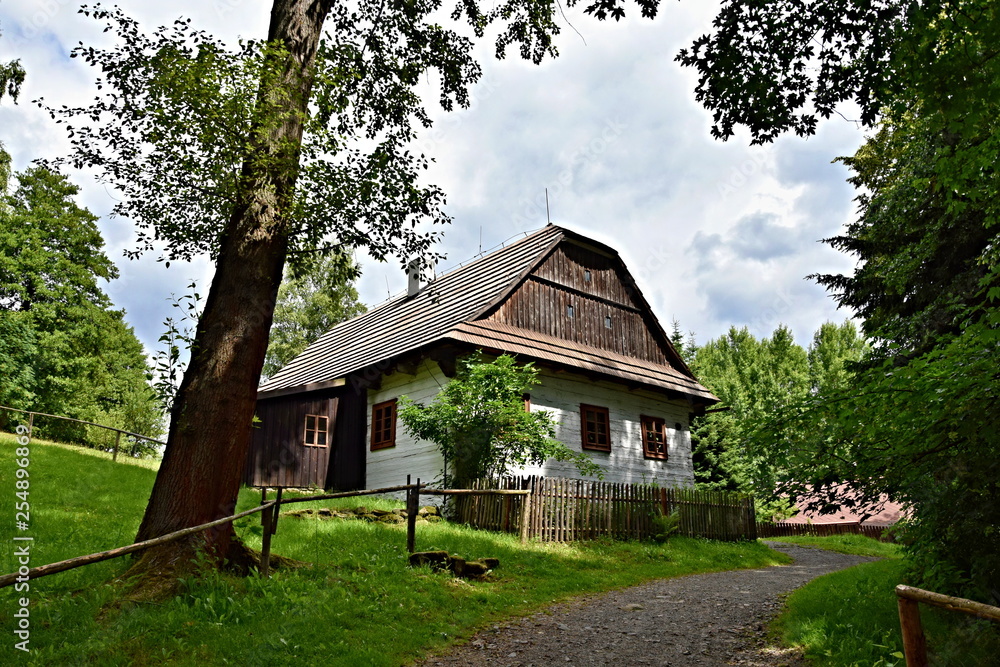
pixel 564 510
pixel 821 530
pixel 117 431
pixel 914 641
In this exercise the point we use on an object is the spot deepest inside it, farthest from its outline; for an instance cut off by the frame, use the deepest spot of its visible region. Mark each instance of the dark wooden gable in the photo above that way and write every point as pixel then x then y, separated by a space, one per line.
pixel 584 295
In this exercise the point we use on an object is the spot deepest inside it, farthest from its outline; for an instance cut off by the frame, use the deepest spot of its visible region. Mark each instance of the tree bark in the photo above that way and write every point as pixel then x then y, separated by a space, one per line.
pixel 210 423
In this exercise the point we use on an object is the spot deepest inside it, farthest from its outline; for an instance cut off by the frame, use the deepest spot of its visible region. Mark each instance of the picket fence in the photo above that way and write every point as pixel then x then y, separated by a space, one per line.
pixel 565 510
pixel 765 530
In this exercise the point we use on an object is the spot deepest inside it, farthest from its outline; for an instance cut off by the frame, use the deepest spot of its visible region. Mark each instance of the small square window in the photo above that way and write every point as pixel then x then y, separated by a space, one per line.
pixel 384 425
pixel 569 310
pixel 317 430
pixel 586 276
pixel 654 437
pixel 607 321
pixel 596 428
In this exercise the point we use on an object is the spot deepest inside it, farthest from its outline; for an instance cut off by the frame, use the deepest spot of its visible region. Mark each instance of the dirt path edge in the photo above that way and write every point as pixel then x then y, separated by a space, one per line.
pixel 700 620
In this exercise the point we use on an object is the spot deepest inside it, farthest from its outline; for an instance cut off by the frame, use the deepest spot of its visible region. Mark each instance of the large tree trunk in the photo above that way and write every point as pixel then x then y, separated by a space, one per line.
pixel 210 423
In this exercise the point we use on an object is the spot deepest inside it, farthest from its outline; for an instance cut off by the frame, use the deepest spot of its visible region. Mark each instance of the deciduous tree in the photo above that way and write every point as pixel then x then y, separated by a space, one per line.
pixel 292 143
pixel 914 422
pixel 66 351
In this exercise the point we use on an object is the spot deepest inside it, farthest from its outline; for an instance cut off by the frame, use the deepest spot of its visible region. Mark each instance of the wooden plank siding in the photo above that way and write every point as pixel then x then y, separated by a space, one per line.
pixel 542 307
pixel 541 304
pixel 347 467
pixel 568 510
pixel 278 455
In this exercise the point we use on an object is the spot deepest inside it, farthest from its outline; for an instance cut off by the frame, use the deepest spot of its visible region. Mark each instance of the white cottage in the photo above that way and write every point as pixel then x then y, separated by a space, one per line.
pixel 609 374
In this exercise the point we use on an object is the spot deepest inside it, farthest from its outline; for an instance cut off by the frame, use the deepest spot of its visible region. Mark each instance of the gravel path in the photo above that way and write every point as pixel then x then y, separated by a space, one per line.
pixel 697 620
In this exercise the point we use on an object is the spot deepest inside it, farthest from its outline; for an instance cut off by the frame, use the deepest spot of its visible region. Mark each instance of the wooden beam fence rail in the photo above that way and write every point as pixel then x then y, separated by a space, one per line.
pixel 80 561
pixel 550 509
pixel 118 432
pixel 269 508
pixel 914 641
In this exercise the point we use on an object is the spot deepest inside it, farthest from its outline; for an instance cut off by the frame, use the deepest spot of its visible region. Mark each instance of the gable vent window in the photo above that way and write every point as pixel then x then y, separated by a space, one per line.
pixel 317 429
pixel 384 425
pixel 596 428
pixel 586 276
pixel 569 310
pixel 607 321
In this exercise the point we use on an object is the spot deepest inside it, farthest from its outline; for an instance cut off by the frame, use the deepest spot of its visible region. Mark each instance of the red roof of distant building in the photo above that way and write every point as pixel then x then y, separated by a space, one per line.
pixel 890 514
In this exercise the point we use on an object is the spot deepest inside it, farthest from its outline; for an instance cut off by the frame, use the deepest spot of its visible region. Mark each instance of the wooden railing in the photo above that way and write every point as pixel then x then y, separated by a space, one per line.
pixel 118 432
pixel 563 510
pixel 269 508
pixel 909 599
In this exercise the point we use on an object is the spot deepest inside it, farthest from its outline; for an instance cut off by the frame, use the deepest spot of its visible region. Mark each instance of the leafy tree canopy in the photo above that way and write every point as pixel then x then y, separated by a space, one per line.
pixel 479 423
pixel 778 66
pixel 915 421
pixel 756 380
pixel 65 350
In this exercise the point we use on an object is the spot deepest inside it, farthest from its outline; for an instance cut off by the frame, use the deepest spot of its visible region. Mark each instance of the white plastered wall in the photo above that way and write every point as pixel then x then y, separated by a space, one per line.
pixel 560 394
pixel 417 458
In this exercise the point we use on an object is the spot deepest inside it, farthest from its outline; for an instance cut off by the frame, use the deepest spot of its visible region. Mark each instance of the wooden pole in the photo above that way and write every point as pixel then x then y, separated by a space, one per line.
pixel 350 494
pixel 412 507
pixel 31 417
pixel 525 517
pixel 277 511
pixel 914 643
pixel 118 439
pixel 961 605
pixel 62 566
pixel 265 547
pixel 31 423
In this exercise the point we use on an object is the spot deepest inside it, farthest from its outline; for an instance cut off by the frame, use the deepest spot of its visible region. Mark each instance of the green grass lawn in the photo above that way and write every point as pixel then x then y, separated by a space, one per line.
pixel 850 618
pixel 359 603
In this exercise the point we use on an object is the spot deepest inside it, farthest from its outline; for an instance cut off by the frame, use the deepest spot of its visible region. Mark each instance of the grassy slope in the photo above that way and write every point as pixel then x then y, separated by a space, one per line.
pixel 850 618
pixel 358 605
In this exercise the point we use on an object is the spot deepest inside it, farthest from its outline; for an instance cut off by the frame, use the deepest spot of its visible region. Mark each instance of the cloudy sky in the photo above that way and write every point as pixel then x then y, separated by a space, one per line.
pixel 716 234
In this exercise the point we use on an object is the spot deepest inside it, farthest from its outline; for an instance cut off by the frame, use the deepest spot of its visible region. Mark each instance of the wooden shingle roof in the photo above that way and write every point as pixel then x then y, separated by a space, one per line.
pixel 450 309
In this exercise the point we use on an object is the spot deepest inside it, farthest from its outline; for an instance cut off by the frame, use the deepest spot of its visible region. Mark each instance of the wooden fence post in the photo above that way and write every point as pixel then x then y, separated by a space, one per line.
pixel 412 507
pixel 31 423
pixel 914 642
pixel 265 547
pixel 118 439
pixel 525 516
